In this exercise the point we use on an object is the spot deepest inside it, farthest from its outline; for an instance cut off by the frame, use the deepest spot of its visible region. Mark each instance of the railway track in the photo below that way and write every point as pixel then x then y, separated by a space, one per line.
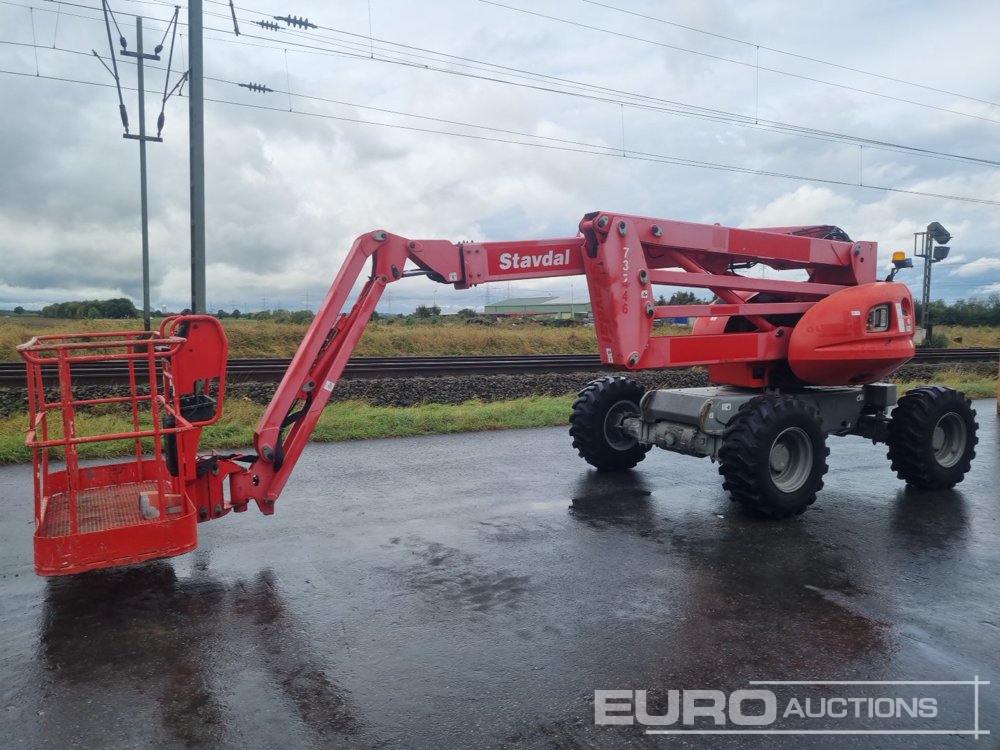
pixel 267 370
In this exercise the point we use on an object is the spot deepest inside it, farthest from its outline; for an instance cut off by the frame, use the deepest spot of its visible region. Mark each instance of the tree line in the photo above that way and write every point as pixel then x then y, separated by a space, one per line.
pixel 964 312
pixel 971 312
pixel 117 308
pixel 983 311
pixel 279 315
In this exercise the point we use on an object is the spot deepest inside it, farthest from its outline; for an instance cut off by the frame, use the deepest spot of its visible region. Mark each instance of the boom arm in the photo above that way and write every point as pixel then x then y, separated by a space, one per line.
pixel 830 326
pixel 622 258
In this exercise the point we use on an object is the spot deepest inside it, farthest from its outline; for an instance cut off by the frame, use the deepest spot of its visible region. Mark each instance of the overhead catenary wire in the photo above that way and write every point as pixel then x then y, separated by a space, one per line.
pixel 863 91
pixel 787 53
pixel 409 114
pixel 638 101
pixel 570 146
pixel 224 3
pixel 634 155
pixel 691 112
pixel 770 49
pixel 742 63
pixel 765 124
pixel 650 103
pixel 662 158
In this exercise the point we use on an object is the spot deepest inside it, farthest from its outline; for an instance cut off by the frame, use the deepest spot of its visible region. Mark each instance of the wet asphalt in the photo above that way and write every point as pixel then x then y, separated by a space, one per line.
pixel 474 590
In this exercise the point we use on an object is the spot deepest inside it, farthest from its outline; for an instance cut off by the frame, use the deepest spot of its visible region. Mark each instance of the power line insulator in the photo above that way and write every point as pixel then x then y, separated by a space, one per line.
pixel 269 25
pixel 260 88
pixel 302 23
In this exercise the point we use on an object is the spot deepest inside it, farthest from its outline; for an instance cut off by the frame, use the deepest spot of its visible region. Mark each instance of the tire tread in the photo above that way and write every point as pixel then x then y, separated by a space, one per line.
pixel 908 433
pixel 741 454
pixel 587 423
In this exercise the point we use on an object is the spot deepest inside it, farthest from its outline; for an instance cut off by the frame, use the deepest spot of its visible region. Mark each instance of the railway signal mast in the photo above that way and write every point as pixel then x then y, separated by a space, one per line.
pixel 930 245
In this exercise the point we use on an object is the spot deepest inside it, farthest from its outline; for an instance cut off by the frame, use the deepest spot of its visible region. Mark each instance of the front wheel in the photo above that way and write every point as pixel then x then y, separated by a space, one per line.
pixel 596 423
pixel 773 456
pixel 932 437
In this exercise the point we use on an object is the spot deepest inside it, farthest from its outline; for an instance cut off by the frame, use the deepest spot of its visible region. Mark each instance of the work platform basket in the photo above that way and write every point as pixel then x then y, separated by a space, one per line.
pixel 94 515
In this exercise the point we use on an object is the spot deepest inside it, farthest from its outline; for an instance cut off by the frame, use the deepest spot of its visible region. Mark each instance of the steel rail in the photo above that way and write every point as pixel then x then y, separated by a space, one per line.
pixel 272 369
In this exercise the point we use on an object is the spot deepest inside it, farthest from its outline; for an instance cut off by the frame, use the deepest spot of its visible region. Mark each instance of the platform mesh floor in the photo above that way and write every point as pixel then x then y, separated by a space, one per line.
pixel 98 509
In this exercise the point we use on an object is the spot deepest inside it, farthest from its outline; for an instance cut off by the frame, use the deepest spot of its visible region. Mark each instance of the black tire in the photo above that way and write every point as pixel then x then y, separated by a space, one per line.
pixel 932 437
pixel 595 423
pixel 773 456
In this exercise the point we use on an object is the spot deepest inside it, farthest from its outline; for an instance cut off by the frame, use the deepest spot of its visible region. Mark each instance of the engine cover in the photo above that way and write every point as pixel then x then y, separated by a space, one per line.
pixel 855 336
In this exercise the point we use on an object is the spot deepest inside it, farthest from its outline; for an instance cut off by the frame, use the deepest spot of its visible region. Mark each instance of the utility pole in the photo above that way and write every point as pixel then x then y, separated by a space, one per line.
pixel 142 138
pixel 196 123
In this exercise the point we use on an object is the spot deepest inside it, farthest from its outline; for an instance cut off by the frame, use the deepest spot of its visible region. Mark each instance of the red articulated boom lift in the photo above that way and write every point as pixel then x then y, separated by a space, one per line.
pixel 793 362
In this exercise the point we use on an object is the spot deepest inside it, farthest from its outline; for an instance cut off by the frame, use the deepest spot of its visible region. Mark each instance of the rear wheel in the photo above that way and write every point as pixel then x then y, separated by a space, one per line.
pixel 596 423
pixel 932 437
pixel 773 456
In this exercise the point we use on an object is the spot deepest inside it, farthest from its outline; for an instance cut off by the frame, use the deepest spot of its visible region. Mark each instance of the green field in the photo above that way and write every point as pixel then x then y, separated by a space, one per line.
pixel 449 336
pixel 261 338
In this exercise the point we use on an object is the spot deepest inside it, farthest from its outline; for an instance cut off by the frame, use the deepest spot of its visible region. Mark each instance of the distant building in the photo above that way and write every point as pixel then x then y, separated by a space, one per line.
pixel 556 307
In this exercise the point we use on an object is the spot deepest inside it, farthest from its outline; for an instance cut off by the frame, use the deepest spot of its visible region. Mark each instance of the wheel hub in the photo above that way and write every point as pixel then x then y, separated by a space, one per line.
pixel 949 439
pixel 617 438
pixel 791 459
pixel 779 457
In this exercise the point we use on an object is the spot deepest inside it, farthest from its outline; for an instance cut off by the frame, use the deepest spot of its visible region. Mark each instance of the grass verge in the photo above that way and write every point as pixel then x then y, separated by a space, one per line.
pixel 349 420
pixel 262 338
pixel 971 385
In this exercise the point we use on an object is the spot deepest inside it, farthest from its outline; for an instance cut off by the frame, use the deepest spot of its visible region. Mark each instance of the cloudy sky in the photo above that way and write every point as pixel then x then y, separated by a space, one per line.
pixel 468 119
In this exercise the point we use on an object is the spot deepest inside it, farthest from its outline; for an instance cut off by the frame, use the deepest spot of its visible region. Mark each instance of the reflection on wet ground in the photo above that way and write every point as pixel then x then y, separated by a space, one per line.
pixel 176 646
pixel 484 608
pixel 733 578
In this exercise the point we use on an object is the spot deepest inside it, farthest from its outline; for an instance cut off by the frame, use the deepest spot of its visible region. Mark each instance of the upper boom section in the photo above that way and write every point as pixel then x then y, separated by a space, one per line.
pixel 711 248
